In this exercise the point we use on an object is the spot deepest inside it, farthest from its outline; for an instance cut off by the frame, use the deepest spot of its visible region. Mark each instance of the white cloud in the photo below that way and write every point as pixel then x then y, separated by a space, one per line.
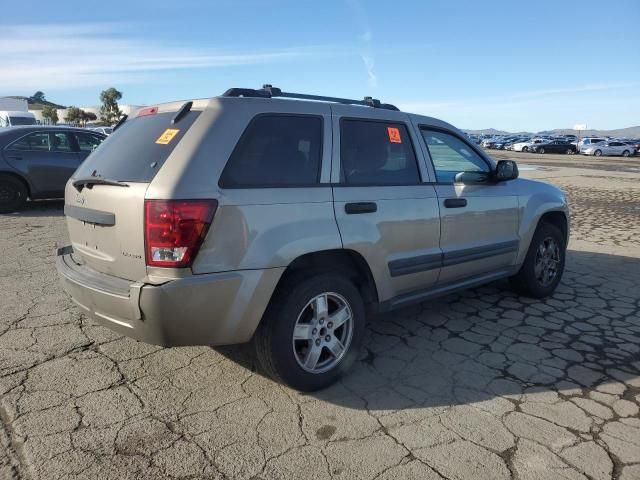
pixel 365 39
pixel 72 55
pixel 607 105
pixel 507 101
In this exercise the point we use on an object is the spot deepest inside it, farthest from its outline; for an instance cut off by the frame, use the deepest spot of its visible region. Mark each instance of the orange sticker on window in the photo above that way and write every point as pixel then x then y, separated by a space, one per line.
pixel 167 136
pixel 394 135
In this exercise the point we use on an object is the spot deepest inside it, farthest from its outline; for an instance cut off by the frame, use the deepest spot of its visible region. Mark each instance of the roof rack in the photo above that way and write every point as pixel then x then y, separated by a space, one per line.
pixel 268 91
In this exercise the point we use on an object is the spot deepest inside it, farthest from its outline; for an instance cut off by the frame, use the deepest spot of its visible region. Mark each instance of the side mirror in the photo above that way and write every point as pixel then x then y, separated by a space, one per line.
pixel 505 170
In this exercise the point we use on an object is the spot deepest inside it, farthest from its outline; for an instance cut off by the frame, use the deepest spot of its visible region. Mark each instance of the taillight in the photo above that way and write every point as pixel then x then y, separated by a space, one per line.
pixel 175 229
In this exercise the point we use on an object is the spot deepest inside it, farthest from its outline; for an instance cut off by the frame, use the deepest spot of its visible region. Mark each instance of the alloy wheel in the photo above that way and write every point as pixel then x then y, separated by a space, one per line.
pixel 322 333
pixel 547 261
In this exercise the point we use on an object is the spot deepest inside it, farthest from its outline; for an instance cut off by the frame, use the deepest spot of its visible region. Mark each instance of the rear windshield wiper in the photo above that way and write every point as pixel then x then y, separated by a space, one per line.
pixel 80 183
pixel 120 122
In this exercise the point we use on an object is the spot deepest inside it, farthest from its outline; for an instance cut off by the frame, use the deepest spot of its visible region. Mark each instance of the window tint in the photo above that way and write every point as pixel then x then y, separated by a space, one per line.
pixel 87 142
pixel 38 141
pixel 450 156
pixel 61 142
pixel 377 153
pixel 135 152
pixel 276 151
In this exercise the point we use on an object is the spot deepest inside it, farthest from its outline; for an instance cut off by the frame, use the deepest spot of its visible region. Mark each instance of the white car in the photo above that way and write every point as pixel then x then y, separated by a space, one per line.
pixel 608 148
pixel 589 142
pixel 13 118
pixel 105 130
pixel 525 146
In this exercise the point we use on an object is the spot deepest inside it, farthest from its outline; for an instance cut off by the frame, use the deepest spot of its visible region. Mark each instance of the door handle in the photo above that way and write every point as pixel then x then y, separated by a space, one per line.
pixel 360 207
pixel 455 202
pixel 15 157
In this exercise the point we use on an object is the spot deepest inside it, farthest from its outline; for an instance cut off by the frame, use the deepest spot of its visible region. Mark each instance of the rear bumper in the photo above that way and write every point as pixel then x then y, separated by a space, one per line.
pixel 213 309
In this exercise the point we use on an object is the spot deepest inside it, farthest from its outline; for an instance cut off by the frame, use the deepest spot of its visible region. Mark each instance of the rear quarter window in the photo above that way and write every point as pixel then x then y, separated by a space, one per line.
pixel 131 153
pixel 276 150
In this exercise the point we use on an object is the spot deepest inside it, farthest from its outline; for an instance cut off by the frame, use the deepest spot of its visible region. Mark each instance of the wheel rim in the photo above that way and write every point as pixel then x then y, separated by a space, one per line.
pixel 598 153
pixel 322 333
pixel 541 150
pixel 569 151
pixel 547 261
pixel 625 153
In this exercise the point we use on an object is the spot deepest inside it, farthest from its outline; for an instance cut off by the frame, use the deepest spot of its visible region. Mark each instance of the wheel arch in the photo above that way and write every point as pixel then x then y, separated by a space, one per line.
pixel 20 178
pixel 339 260
pixel 558 219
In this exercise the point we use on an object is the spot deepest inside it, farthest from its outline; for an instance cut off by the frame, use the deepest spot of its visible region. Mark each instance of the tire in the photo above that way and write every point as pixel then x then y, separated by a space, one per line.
pixel 528 281
pixel 292 308
pixel 625 153
pixel 598 153
pixel 525 149
pixel 540 150
pixel 13 194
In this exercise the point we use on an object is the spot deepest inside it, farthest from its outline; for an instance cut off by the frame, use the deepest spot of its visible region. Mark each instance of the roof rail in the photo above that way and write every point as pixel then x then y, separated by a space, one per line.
pixel 267 91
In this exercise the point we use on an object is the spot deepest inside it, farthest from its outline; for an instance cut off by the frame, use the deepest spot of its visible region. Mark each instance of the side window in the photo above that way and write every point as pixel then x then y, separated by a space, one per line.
pixel 450 156
pixel 38 141
pixel 60 142
pixel 276 151
pixel 377 153
pixel 87 142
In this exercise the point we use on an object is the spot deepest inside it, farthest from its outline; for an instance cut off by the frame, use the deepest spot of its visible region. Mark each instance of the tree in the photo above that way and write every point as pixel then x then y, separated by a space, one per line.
pixel 50 114
pixel 109 111
pixel 87 117
pixel 73 115
pixel 38 97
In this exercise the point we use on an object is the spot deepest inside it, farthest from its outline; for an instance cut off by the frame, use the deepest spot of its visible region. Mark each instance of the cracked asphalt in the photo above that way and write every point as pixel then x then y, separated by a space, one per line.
pixel 478 385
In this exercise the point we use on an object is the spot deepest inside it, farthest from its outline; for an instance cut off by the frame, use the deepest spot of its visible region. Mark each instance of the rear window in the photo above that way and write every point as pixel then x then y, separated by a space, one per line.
pixel 276 151
pixel 135 152
pixel 22 120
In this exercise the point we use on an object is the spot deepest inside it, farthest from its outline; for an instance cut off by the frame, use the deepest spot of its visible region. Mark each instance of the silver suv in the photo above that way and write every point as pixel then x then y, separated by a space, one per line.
pixel 260 215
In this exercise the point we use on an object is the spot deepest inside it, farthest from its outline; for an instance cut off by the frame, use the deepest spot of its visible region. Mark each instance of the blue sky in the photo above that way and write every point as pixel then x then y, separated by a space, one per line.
pixel 504 64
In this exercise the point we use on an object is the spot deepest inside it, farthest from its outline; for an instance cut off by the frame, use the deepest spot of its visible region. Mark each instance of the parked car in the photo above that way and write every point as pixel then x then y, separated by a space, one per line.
pixel 554 146
pixel 609 148
pixel 635 144
pixel 526 145
pixel 248 216
pixel 13 118
pixel 589 141
pixel 104 130
pixel 508 144
pixel 37 161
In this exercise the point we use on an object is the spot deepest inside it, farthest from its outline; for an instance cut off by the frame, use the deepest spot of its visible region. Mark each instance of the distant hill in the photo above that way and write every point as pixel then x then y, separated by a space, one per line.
pixel 629 132
pixel 39 105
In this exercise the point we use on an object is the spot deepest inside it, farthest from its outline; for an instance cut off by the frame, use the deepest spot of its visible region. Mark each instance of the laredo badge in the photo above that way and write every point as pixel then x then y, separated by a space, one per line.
pixel 167 136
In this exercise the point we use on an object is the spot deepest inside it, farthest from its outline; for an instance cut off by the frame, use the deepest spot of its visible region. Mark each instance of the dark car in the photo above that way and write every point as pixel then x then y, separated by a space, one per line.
pixel 37 161
pixel 554 146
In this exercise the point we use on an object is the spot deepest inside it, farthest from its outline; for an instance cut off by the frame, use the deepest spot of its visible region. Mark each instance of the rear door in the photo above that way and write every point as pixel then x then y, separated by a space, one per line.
pixel 385 208
pixel 87 143
pixel 106 223
pixel 479 221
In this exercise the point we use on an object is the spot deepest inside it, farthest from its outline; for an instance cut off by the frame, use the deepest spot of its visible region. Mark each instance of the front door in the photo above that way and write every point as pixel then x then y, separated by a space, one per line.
pixel 479 220
pixel 384 209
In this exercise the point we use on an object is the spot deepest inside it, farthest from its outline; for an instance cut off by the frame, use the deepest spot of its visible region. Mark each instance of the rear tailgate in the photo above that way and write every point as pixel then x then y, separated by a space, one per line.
pixel 106 222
